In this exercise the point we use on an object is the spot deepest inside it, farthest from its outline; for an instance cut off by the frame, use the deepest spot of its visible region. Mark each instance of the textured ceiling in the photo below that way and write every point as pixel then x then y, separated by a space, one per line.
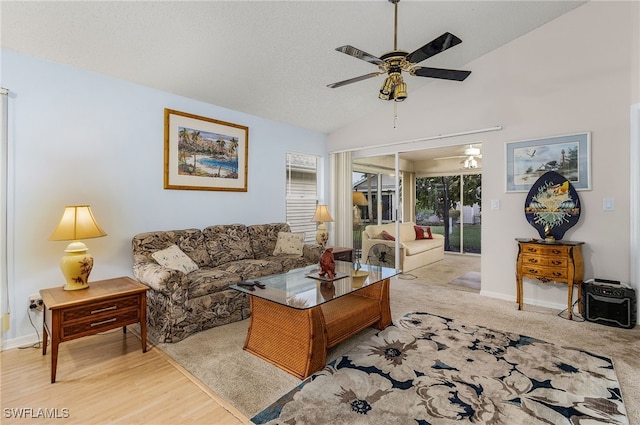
pixel 266 58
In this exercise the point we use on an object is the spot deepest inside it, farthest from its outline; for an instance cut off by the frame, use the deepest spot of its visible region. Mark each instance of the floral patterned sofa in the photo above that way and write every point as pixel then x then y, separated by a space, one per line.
pixel 194 294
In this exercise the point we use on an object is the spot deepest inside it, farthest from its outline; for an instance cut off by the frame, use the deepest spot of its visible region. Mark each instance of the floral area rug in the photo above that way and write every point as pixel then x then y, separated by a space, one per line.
pixel 428 369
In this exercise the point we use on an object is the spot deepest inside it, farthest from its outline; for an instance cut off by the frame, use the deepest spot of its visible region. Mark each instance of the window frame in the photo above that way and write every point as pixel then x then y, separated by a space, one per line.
pixel 306 203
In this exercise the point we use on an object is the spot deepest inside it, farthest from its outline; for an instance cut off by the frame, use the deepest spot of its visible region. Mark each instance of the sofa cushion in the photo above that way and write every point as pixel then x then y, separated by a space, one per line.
pixel 407 232
pixel 226 243
pixel 190 241
pixel 263 238
pixel 374 230
pixel 251 268
pixel 289 243
pixel 207 281
pixel 289 261
pixel 422 245
pixel 173 258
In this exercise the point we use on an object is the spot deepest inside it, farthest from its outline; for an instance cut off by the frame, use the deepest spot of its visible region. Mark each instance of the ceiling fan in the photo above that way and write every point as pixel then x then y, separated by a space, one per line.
pixel 393 63
pixel 470 155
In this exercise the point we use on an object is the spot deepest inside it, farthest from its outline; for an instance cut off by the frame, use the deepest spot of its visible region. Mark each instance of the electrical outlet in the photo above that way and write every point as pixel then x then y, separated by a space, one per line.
pixel 36 303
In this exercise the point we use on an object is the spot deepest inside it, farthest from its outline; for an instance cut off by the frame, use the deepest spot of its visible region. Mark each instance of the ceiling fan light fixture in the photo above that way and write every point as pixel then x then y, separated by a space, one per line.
pixel 470 162
pixel 387 88
pixel 400 91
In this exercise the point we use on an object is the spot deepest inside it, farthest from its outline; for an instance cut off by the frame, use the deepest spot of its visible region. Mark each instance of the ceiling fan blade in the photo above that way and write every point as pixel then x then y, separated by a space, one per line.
pixel 445 74
pixel 434 47
pixel 449 157
pixel 353 80
pixel 360 54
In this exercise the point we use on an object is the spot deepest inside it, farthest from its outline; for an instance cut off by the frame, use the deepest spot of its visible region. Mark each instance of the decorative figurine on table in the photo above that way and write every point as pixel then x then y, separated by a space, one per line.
pixel 327 264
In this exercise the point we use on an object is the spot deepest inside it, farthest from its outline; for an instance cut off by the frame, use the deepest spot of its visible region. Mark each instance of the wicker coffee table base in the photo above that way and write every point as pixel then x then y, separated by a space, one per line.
pixel 297 340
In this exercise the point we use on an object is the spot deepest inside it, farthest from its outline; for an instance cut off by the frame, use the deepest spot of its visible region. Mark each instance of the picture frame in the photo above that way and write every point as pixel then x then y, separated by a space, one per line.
pixel 203 153
pixel 568 155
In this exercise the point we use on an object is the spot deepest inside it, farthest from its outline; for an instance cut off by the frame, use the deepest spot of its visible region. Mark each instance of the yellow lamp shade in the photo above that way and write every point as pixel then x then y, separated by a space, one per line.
pixel 77 222
pixel 322 214
pixel 359 199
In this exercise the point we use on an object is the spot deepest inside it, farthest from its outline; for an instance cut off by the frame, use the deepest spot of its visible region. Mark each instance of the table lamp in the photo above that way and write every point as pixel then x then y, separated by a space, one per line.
pixel 321 216
pixel 77 223
pixel 359 200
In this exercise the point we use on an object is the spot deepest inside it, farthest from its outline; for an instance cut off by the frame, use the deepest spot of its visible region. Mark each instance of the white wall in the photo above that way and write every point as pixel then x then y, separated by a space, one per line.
pixel 577 73
pixel 78 137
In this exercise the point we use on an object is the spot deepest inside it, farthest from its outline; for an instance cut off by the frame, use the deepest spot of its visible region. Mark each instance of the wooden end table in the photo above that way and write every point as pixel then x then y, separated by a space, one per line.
pixel 104 305
pixel 342 253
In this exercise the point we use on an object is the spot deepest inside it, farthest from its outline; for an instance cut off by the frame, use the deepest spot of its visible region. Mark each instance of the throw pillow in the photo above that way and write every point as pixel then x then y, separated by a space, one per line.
pixel 423 233
pixel 173 258
pixel 385 235
pixel 289 243
pixel 429 235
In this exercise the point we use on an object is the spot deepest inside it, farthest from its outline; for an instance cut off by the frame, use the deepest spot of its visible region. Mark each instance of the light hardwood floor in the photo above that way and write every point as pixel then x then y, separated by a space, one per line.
pixel 106 378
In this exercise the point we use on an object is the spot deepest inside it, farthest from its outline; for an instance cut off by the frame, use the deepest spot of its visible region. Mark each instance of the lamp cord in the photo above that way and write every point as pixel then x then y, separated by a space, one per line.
pixel 37 344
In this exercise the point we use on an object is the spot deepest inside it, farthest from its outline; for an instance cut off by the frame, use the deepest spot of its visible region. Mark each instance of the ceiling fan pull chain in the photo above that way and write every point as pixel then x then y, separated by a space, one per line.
pixel 395 114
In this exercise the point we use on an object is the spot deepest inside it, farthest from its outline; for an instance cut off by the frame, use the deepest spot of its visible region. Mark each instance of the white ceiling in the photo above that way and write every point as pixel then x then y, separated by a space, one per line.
pixel 266 58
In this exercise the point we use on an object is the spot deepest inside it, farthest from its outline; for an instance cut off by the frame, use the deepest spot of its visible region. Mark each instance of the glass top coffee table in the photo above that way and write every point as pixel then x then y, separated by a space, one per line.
pixel 297 316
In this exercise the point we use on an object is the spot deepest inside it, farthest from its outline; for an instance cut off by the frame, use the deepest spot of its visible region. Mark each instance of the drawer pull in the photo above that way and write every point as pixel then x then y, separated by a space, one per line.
pixel 533 271
pixel 532 260
pixel 556 262
pixel 557 274
pixel 104 321
pixel 531 249
pixel 100 310
pixel 556 251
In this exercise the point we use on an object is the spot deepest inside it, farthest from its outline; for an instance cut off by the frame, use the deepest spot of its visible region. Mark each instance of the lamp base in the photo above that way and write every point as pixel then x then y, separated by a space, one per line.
pixel 76 266
pixel 322 235
pixel 356 216
pixel 75 286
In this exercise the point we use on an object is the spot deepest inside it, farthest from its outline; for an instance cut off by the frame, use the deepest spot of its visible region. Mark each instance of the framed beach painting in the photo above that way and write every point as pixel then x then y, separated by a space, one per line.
pixel 568 155
pixel 204 154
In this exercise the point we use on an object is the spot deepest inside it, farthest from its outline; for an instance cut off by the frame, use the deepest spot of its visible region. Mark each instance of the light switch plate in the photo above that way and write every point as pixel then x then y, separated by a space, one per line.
pixel 608 204
pixel 495 204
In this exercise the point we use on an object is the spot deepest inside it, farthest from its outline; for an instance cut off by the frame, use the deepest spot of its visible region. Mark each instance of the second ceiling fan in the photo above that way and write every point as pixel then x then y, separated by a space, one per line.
pixel 470 154
pixel 395 62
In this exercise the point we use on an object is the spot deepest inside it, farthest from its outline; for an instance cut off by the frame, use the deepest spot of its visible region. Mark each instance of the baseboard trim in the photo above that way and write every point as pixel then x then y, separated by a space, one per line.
pixel 535 302
pixel 22 341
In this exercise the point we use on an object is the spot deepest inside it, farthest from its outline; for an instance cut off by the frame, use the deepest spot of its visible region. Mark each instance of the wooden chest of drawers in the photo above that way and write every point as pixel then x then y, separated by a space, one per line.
pixel 104 305
pixel 550 262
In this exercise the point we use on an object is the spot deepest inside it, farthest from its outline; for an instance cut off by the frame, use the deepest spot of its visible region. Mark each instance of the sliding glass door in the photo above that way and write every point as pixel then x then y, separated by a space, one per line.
pixel 451 206
pixel 376 196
